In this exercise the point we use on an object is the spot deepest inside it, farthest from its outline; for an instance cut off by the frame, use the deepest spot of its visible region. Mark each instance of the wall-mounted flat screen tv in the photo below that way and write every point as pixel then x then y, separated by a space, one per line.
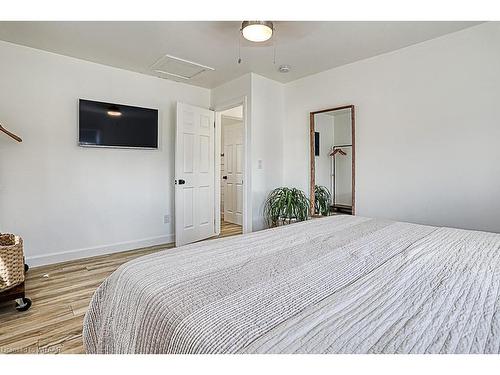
pixel 116 125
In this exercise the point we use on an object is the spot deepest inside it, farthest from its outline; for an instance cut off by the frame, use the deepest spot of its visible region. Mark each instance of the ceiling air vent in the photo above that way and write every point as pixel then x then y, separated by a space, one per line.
pixel 175 67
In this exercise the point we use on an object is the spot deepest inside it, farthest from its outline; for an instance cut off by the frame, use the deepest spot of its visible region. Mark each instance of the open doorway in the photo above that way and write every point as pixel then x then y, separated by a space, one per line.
pixel 232 171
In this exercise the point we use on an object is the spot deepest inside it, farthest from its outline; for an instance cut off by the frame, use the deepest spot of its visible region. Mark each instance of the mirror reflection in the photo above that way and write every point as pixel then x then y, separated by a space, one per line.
pixel 333 161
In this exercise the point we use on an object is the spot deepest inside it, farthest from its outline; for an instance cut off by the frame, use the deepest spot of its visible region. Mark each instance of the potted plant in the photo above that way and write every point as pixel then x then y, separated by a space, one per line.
pixel 322 199
pixel 284 205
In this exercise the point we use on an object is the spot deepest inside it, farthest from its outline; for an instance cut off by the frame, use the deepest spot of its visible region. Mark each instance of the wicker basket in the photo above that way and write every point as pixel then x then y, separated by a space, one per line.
pixel 11 261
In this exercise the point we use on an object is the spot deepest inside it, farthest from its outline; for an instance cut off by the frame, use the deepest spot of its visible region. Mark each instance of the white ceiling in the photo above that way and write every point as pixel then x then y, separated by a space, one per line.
pixel 309 47
pixel 236 112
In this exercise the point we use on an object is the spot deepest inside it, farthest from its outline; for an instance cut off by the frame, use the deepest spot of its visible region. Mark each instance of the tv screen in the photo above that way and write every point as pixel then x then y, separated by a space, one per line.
pixel 117 125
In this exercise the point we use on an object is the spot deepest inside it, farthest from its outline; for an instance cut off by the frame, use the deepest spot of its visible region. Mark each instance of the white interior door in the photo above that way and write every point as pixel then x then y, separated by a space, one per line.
pixel 233 173
pixel 194 174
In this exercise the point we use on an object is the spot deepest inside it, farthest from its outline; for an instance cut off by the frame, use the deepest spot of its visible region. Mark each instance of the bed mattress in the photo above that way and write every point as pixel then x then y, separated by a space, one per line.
pixel 342 284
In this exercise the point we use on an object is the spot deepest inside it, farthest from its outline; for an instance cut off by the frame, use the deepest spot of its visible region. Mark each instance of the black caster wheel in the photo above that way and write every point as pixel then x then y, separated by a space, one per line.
pixel 23 304
pixel 26 268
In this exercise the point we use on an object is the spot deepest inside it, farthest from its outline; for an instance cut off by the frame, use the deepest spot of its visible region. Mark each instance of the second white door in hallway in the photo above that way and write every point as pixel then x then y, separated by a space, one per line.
pixel 233 172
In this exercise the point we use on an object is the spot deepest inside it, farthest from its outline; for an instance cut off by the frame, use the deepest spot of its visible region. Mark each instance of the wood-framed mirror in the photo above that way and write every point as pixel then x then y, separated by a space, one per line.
pixel 332 160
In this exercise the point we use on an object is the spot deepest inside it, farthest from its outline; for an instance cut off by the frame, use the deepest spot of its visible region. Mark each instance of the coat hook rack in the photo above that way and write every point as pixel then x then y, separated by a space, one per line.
pixel 10 134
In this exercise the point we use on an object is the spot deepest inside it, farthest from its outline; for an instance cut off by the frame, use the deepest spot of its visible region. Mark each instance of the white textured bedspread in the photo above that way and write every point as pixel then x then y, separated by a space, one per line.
pixel 342 284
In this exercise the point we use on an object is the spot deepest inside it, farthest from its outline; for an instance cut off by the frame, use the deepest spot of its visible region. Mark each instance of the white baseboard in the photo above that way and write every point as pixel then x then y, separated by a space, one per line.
pixel 64 256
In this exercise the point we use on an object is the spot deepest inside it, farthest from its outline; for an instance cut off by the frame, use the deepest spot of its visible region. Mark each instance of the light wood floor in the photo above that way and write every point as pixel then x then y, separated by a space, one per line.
pixel 229 229
pixel 61 294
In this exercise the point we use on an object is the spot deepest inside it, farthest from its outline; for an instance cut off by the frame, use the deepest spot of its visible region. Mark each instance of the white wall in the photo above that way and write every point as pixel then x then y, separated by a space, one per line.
pixel 67 201
pixel 427 129
pixel 267 145
pixel 343 127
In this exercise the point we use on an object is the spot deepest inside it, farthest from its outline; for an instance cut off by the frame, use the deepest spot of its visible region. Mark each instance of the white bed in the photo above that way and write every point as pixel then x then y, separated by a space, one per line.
pixel 342 284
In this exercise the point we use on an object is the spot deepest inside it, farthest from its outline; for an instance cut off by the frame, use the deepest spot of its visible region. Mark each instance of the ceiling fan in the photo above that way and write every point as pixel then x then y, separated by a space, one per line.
pixel 258 32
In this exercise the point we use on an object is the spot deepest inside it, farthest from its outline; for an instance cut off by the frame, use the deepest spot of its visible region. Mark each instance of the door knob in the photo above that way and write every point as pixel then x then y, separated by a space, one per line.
pixel 182 182
pixel 224 177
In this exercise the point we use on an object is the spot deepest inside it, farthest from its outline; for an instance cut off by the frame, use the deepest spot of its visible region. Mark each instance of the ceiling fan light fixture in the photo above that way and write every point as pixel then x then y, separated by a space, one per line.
pixel 257 31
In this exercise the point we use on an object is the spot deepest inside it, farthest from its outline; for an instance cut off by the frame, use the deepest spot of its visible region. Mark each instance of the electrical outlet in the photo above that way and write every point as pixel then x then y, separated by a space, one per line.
pixel 166 219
